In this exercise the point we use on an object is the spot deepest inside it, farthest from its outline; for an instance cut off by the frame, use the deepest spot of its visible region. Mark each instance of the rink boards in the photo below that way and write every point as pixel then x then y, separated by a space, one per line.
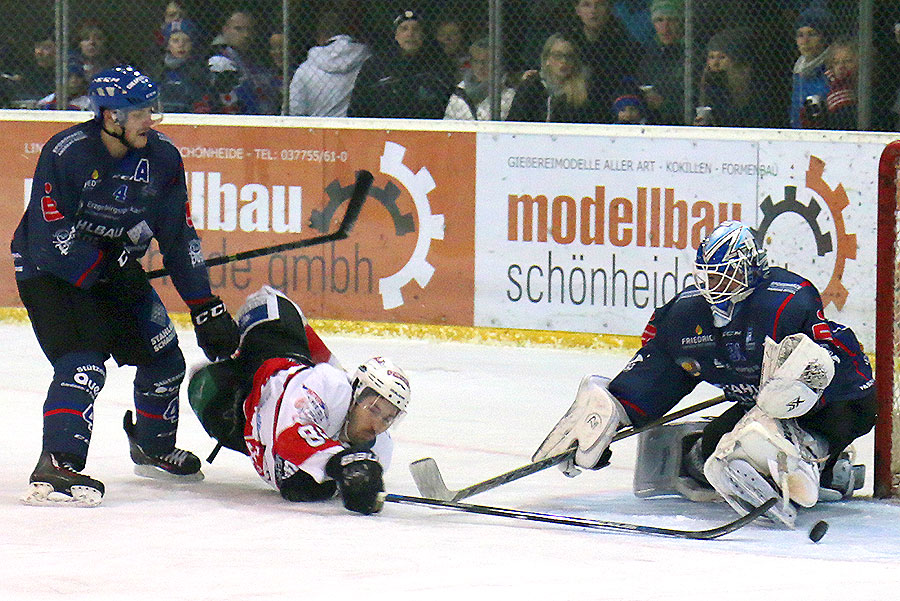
pixel 535 227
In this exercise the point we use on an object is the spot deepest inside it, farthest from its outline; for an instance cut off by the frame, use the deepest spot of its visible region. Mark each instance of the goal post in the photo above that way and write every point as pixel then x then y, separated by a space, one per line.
pixel 887 327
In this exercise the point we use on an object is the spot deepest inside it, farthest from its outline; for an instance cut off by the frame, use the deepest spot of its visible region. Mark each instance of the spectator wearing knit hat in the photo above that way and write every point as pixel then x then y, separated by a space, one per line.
pixel 629 109
pixel 810 85
pixel 410 79
pixel 662 66
pixel 182 77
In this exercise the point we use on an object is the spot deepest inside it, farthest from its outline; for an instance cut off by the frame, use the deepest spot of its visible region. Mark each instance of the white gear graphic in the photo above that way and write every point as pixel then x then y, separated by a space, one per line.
pixel 431 227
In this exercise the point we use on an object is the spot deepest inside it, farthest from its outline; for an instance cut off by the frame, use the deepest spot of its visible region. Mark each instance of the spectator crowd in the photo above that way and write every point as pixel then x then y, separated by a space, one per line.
pixel 757 63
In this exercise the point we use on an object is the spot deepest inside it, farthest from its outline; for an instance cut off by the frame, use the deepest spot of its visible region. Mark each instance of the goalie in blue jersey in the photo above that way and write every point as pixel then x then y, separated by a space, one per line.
pixel 801 385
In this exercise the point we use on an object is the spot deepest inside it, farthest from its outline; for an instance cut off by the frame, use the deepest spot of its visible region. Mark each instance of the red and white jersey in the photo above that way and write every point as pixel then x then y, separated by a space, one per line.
pixel 294 415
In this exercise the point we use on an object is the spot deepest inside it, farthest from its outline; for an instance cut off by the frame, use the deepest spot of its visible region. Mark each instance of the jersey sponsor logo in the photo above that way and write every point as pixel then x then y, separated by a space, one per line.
pixel 163 338
pixel 140 233
pixel 62 240
pixel 697 340
pixel 195 252
pixel 690 365
pixel 98 230
pixel 311 407
pixel 735 352
pixel 785 287
pixel 821 330
pixel 92 182
pixel 49 208
pixel 64 144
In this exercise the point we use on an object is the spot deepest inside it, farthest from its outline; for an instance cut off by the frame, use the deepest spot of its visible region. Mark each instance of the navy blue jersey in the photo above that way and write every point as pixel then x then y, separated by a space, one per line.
pixel 89 211
pixel 682 348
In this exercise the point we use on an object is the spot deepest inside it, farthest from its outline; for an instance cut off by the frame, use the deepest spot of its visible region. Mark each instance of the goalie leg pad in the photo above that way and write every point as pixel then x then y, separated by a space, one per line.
pixel 591 422
pixel 778 451
pixel 661 467
pixel 744 488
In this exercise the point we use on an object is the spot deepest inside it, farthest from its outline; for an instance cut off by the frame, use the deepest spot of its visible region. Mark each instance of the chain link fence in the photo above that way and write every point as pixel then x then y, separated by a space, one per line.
pixel 743 63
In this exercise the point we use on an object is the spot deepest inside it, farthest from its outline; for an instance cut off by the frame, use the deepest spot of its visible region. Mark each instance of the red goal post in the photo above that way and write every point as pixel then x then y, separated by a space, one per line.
pixel 887 327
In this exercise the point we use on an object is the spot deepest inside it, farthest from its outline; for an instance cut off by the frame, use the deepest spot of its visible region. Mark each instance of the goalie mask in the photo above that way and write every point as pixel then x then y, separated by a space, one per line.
pixel 729 266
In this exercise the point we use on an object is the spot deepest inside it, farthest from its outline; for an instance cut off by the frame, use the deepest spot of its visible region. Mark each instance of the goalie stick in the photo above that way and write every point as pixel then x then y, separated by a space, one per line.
pixel 430 482
pixel 550 518
pixel 354 206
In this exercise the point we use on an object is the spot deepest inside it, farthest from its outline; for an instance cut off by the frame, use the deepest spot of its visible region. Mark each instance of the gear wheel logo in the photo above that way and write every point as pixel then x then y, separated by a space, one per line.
pixel 836 200
pixel 431 227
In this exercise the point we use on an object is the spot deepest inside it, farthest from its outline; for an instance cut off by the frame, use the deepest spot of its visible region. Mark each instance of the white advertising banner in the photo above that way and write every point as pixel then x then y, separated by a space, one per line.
pixel 590 233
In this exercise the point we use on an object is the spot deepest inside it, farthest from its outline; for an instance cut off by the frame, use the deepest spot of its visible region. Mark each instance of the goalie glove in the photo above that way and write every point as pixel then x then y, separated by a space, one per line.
pixel 358 477
pixel 590 423
pixel 795 371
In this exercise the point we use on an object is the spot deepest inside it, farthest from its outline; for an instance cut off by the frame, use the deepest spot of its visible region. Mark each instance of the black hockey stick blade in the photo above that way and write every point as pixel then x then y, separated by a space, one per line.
pixel 354 206
pixel 562 520
pixel 430 482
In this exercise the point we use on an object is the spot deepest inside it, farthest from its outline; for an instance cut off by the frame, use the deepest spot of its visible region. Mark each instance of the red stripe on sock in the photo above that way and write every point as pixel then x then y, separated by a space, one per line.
pixel 149 415
pixel 57 411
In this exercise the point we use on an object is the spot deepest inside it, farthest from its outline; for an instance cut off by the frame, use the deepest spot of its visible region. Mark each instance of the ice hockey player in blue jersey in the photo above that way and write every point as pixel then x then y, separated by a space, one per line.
pixel 101 191
pixel 801 385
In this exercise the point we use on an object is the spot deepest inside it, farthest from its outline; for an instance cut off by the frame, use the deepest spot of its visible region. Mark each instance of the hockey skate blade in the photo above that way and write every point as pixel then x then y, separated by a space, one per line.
pixel 151 471
pixel 42 494
pixel 429 481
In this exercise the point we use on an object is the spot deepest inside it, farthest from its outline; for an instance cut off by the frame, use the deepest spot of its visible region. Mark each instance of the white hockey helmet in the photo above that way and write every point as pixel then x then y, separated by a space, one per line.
pixel 385 379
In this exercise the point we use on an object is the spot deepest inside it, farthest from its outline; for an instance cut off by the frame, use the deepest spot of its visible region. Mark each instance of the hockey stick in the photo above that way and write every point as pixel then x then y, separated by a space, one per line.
pixel 548 518
pixel 354 206
pixel 430 482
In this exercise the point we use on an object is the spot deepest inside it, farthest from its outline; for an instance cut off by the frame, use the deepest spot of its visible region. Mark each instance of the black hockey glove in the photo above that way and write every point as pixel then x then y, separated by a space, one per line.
pixel 217 334
pixel 358 477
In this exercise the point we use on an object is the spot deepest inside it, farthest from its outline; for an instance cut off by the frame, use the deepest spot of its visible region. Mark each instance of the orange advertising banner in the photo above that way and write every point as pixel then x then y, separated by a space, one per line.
pixel 409 259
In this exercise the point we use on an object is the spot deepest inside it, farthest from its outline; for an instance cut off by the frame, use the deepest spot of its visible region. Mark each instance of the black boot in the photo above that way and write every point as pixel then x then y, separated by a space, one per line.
pixel 56 480
pixel 175 464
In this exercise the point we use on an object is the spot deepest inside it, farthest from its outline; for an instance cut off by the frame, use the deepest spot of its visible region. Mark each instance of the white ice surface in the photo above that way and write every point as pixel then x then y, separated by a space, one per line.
pixel 479 410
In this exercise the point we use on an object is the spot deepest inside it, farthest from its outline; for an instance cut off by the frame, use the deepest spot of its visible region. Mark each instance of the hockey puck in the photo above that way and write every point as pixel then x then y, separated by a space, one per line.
pixel 818 531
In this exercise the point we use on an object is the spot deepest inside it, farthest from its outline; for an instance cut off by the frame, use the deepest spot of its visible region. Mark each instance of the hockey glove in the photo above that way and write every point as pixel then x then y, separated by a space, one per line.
pixel 217 334
pixel 358 477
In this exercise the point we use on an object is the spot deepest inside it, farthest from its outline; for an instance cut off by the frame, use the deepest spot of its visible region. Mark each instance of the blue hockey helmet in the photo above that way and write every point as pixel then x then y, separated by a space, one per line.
pixel 123 89
pixel 729 266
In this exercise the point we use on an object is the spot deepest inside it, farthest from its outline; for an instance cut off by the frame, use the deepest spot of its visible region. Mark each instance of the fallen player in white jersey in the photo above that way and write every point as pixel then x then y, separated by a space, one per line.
pixel 285 401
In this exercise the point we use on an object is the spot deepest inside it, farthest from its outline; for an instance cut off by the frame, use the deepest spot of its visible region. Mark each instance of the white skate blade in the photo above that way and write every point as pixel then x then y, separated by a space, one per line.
pixel 42 494
pixel 151 471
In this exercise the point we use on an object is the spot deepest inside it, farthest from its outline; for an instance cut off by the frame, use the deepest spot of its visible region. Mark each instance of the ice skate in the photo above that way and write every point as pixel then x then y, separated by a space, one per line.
pixel 56 480
pixel 177 464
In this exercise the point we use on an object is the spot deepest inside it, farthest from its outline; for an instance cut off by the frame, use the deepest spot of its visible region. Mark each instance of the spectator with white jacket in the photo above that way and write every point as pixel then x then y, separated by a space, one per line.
pixel 470 100
pixel 322 84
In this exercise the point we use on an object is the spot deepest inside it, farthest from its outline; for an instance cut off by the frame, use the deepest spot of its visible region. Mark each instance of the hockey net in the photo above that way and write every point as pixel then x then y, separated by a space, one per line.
pixel 887 320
